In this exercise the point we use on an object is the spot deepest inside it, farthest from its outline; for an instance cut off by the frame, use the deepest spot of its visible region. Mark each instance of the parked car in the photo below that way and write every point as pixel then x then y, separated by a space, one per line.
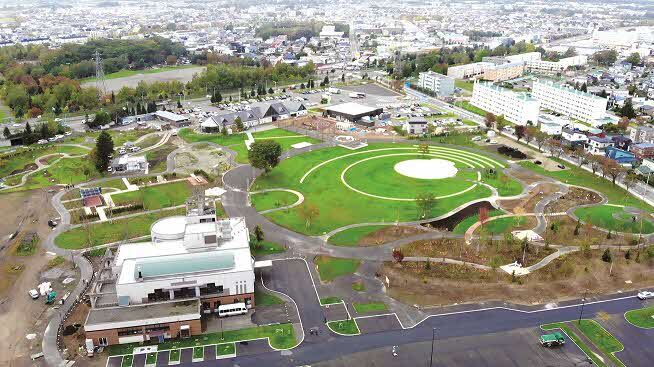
pixel 645 295
pixel 33 293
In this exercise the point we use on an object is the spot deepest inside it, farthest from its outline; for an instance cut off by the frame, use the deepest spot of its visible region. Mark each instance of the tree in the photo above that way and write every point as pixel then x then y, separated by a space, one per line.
pixel 28 128
pixel 595 163
pixel 308 212
pixel 101 118
pixel 219 97
pixel 627 109
pixel 607 257
pixel 270 90
pixel 630 180
pixel 425 202
pixel 264 154
pixel 423 149
pixel 520 132
pixel 633 59
pixel 258 233
pixel 6 132
pixel 490 120
pixel 540 138
pixel 179 103
pixel 500 122
pixel 326 80
pixel 555 146
pixel 239 124
pixel 398 255
pixel 104 146
pixel 612 168
pixel 342 78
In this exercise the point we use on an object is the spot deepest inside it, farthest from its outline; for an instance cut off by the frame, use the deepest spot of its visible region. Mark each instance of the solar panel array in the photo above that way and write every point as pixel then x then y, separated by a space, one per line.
pixel 93 191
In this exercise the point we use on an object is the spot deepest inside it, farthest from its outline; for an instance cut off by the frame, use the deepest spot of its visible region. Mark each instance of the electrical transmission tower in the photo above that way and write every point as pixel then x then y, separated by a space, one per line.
pixel 99 74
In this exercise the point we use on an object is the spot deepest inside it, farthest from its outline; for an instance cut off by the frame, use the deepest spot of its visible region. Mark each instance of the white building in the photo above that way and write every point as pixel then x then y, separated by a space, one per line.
pixel 597 145
pixel 438 83
pixel 543 66
pixel 466 71
pixel 528 56
pixel 517 107
pixel 568 101
pixel 416 126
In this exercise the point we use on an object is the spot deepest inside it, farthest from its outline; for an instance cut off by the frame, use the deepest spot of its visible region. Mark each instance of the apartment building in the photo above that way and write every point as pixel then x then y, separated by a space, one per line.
pixel 642 134
pixel 517 107
pixel 502 72
pixel 551 67
pixel 467 71
pixel 526 57
pixel 438 83
pixel 568 101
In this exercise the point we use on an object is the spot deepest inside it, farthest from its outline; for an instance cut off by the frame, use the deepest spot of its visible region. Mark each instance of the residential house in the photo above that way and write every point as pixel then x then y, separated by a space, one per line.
pixel 416 126
pixel 621 142
pixel 573 137
pixel 642 150
pixel 597 145
pixel 623 157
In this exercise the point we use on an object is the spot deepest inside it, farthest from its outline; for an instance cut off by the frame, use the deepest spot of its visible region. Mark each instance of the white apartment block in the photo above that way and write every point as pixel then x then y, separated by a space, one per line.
pixel 502 72
pixel 556 66
pixel 438 83
pixel 466 71
pixel 569 101
pixel 517 107
pixel 529 56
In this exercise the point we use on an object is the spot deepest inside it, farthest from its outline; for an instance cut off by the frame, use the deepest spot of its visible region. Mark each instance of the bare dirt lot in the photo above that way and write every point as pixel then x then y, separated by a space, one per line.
pixel 564 278
pixel 182 75
pixel 389 234
pixel 528 203
pixel 20 316
pixel 575 196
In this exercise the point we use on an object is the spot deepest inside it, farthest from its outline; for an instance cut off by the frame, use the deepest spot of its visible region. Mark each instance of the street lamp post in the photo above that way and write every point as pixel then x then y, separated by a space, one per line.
pixel 431 356
pixel 583 303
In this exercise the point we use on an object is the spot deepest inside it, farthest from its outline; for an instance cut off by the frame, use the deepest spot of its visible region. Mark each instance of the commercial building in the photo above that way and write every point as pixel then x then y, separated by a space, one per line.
pixel 151 291
pixel 642 134
pixel 438 83
pixel 525 57
pixel 173 118
pixel 542 66
pixel 416 126
pixel 517 107
pixel 352 112
pixel 568 101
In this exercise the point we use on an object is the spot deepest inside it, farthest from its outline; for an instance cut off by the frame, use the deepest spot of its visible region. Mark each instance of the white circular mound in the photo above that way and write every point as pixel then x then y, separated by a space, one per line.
pixel 426 169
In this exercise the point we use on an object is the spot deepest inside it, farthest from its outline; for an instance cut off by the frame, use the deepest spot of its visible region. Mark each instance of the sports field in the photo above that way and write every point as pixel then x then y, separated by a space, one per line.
pixel 343 187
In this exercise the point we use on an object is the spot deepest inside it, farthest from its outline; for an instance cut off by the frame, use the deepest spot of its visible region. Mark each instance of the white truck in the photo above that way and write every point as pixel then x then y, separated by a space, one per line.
pixel 334 90
pixel 357 95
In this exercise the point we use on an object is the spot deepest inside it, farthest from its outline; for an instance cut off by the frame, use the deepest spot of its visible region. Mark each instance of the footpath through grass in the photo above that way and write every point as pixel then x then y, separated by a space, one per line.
pixel 331 268
pixel 613 218
pixel 112 231
pixel 643 317
pixel 281 336
pixel 576 176
pixel 352 236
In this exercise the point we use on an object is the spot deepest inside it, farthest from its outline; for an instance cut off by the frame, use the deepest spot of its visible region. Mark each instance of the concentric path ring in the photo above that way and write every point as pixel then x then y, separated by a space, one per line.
pixel 400 154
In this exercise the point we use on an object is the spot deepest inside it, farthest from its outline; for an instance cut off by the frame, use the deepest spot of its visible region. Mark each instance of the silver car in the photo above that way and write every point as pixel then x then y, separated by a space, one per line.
pixel 645 295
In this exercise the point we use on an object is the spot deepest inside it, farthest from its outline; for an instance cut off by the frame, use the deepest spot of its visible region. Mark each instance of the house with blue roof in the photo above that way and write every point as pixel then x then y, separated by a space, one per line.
pixel 623 157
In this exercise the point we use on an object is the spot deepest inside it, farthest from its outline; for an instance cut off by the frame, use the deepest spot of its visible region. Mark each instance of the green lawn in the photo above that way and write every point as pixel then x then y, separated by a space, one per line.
pixel 330 300
pixel 127 361
pixel 151 358
pixel 576 176
pixel 281 336
pixel 358 286
pixel 273 133
pixel 286 144
pixel 112 231
pixel 463 225
pixel 116 183
pixel 198 352
pixel 470 108
pixel 265 248
pixel 125 73
pixel 346 327
pixel 158 158
pixel 464 84
pixel 265 299
pixel 225 349
pixel 503 225
pixel 330 204
pixel 156 196
pixel 352 236
pixel 272 199
pixel 174 355
pixel 506 186
pixel 331 268
pixel 370 307
pixel 643 317
pixel 602 339
pixel 613 218
pixel 10 162
pixel 575 338
pixel 65 171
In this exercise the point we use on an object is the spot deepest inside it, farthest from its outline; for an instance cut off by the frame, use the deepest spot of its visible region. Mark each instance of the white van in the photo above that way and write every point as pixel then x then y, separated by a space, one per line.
pixel 233 309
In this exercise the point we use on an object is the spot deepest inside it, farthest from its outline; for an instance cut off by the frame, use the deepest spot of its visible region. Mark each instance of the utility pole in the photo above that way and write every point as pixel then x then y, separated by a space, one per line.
pixel 583 303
